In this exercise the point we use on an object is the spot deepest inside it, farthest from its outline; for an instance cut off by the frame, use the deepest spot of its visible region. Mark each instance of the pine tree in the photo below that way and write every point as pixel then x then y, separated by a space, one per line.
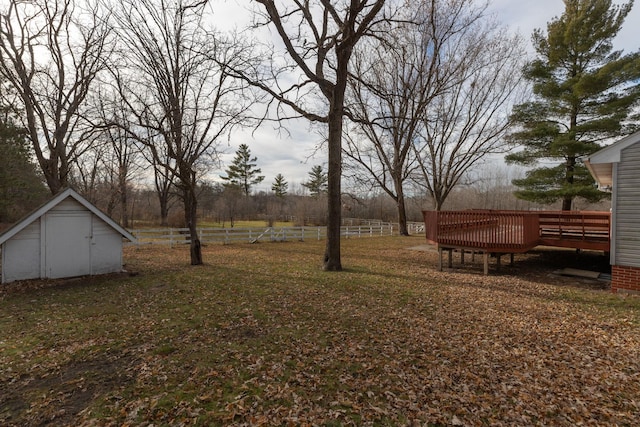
pixel 21 187
pixel 280 186
pixel 242 173
pixel 584 94
pixel 317 183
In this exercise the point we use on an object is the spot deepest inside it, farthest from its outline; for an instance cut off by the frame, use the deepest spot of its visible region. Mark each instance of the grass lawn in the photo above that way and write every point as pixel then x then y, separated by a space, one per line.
pixel 261 336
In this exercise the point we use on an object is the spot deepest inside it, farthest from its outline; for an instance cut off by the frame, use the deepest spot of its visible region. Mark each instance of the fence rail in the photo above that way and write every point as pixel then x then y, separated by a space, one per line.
pixel 180 236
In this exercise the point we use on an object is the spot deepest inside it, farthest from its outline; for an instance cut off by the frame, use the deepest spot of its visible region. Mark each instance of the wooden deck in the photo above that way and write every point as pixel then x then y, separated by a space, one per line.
pixel 509 232
pixel 579 230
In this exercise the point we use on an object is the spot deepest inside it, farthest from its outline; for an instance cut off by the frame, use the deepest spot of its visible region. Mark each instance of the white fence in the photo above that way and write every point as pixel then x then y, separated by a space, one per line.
pixel 179 236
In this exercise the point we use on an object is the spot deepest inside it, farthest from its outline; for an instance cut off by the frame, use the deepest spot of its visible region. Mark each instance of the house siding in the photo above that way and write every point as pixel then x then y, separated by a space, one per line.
pixel 625 270
pixel 627 210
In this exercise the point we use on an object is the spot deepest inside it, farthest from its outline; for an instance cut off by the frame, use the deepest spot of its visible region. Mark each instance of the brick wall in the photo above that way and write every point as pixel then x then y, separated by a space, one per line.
pixel 625 279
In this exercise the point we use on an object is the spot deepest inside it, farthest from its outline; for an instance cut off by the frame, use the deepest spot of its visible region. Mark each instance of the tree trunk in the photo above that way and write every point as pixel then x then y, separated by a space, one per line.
pixel 569 178
pixel 402 209
pixel 122 183
pixel 191 217
pixel 124 215
pixel 163 199
pixel 332 260
pixel 335 95
pixel 437 202
pixel 50 171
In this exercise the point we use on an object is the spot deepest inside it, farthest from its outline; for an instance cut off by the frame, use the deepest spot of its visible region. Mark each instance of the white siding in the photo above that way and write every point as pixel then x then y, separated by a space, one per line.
pixel 627 208
pixel 21 255
pixel 106 248
pixel 66 241
pixel 68 204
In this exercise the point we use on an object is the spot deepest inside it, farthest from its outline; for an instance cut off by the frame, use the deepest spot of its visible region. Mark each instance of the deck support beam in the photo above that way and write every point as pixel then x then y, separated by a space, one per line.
pixel 486 255
pixel 485 259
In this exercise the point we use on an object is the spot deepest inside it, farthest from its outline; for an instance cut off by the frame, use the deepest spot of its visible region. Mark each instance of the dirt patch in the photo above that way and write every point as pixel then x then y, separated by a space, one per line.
pixel 539 265
pixel 29 286
pixel 543 265
pixel 56 398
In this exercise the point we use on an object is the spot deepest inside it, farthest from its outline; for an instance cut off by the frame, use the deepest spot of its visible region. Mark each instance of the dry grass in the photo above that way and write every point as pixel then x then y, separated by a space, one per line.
pixel 261 336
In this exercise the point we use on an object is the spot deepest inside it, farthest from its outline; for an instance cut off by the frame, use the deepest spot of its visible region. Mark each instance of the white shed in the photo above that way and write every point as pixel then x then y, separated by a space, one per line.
pixel 616 168
pixel 65 237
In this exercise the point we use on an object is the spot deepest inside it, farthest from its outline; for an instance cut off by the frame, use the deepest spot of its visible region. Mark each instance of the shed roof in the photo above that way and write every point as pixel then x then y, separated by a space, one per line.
pixel 600 163
pixel 54 201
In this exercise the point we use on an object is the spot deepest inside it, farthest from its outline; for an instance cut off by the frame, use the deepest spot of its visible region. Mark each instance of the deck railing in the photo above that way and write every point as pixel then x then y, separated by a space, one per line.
pixel 575 229
pixel 492 231
pixel 517 231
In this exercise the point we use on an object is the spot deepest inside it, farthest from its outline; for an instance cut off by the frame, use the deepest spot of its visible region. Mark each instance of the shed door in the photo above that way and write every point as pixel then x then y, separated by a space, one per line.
pixel 68 244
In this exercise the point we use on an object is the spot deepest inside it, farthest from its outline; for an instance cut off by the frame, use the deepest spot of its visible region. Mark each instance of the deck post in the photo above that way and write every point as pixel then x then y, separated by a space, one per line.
pixel 498 257
pixel 450 258
pixel 511 260
pixel 462 256
pixel 439 259
pixel 485 257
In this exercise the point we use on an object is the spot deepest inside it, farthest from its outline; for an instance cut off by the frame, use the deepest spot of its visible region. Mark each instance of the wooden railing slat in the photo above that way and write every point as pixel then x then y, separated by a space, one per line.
pixel 498 231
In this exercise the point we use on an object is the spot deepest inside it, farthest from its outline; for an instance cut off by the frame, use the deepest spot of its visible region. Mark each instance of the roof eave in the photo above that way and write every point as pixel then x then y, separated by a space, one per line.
pixel 44 208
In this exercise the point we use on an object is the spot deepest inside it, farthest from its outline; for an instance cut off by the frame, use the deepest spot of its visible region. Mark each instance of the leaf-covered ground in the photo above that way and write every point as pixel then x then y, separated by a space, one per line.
pixel 261 336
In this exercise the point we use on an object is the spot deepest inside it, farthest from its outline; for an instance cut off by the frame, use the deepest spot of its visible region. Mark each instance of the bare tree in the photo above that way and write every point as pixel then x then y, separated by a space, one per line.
pixel 396 80
pixel 467 123
pixel 178 90
pixel 319 38
pixel 120 167
pixel 163 177
pixel 105 173
pixel 50 53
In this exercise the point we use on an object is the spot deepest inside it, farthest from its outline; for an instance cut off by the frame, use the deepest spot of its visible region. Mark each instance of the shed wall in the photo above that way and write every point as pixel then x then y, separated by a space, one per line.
pixel 106 248
pixel 68 204
pixel 71 228
pixel 21 255
pixel 627 208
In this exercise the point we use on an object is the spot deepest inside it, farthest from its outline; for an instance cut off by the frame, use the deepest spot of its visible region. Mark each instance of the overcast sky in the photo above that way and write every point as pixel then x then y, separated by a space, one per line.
pixel 294 155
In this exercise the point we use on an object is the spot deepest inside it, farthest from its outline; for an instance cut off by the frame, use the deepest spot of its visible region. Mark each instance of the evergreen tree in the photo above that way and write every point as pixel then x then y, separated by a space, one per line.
pixel 21 187
pixel 242 173
pixel 280 186
pixel 317 183
pixel 584 94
